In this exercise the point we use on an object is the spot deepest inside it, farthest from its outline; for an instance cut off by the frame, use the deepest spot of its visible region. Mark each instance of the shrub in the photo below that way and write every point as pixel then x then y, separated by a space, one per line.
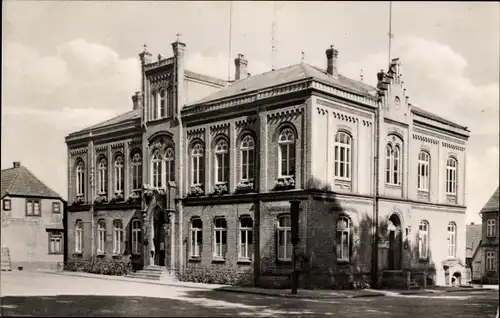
pixel 209 275
pixel 94 266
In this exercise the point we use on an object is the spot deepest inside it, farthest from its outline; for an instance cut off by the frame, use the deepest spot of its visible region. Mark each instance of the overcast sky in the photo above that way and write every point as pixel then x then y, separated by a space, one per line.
pixel 67 65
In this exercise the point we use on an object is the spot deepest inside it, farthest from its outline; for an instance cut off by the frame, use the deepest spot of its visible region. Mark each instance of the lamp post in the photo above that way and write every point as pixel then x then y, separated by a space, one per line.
pixel 294 215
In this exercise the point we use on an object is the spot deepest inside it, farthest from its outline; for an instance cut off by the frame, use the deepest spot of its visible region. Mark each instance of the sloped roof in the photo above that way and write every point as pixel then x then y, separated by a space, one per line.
pixel 472 238
pixel 133 114
pixel 206 78
pixel 492 204
pixel 423 112
pixel 285 75
pixel 20 181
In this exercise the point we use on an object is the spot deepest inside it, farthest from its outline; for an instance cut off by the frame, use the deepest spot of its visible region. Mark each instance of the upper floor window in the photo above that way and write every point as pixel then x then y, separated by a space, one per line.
pixel 156 169
pixel 154 105
pixel 118 171
pixel 102 176
pixel 452 239
pixel 284 237
pixel 80 180
pixel 221 162
pixel 246 237
pixel 423 171
pixel 79 236
pixel 163 101
pixel 197 165
pixel 343 238
pixel 56 207
pixel 101 236
pixel 33 207
pixel 136 171
pixel 423 240
pixel 196 237
pixel 117 237
pixel 343 156
pixel 6 204
pixel 170 102
pixel 451 176
pixel 491 228
pixel 393 164
pixel 220 237
pixel 136 236
pixel 247 151
pixel 169 165
pixel 286 142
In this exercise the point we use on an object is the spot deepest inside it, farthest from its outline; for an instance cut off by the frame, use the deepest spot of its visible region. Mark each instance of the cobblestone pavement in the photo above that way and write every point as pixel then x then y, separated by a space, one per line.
pixel 38 294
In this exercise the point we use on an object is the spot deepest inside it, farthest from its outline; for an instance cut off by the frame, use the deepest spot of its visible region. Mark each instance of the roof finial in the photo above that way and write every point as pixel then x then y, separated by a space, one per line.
pixel 145 48
pixel 178 36
pixel 302 56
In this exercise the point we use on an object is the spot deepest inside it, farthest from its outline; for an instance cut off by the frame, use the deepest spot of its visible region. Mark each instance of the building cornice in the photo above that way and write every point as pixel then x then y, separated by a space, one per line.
pixel 426 121
pixel 78 151
pixel 342 108
pixel 427 131
pixel 99 132
pixel 157 64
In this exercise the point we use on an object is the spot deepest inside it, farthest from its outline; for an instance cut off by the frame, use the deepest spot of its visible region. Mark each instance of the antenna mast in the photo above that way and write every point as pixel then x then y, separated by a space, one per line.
pixel 274 38
pixel 230 38
pixel 390 30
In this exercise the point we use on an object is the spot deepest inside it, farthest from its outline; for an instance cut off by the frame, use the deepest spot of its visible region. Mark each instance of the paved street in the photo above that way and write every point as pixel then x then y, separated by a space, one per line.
pixel 38 294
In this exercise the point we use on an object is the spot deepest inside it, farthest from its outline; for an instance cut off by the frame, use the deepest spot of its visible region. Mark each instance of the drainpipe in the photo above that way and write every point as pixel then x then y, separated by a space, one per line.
pixel 92 194
pixel 376 172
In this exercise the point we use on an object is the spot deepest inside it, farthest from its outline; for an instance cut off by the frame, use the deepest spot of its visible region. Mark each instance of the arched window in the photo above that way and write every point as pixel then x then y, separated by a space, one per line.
pixel 79 236
pixel 284 237
pixel 491 228
pixel 388 155
pixel 162 103
pixel 343 156
pixel 246 238
pixel 343 238
pixel 102 176
pixel 117 237
pixel 101 236
pixel 393 164
pixel 154 105
pixel 423 171
pixel 169 165
pixel 423 240
pixel 119 179
pixel 451 176
pixel 136 170
pixel 221 162
pixel 196 237
pixel 286 144
pixel 170 102
pixel 452 239
pixel 156 169
pixel 247 151
pixel 197 165
pixel 80 178
pixel 136 236
pixel 220 238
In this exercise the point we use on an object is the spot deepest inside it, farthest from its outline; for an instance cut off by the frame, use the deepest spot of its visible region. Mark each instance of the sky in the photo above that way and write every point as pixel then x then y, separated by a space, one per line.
pixel 71 64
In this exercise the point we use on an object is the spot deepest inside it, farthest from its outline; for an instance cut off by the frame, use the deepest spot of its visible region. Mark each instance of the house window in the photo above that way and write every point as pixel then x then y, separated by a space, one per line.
pixel 101 236
pixel 162 103
pixel 246 237
pixel 451 176
pixel 197 165
pixel 393 164
pixel 343 238
pixel 169 165
pixel 56 207
pixel 102 176
pixel 136 236
pixel 6 204
pixel 423 240
pixel 490 261
pixel 119 174
pixel 117 237
pixel 221 162
pixel 247 150
pixel 33 207
pixel 196 237
pixel 80 180
pixel 490 228
pixel 156 169
pixel 79 237
pixel 284 237
pixel 55 242
pixel 220 237
pixel 423 171
pixel 154 104
pixel 136 171
pixel 286 144
pixel 343 156
pixel 452 239
pixel 170 102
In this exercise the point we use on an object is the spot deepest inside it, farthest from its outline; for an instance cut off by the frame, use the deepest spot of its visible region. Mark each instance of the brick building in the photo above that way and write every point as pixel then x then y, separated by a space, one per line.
pixel 218 164
pixel 32 221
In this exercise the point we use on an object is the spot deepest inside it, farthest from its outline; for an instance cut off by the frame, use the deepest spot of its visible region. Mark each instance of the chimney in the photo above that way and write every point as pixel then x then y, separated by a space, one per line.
pixel 145 56
pixel 241 64
pixel 179 50
pixel 471 223
pixel 136 100
pixel 331 61
pixel 17 164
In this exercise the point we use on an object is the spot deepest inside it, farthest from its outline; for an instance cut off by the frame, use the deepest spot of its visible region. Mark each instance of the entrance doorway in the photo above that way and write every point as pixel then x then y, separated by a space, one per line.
pixel 159 237
pixel 395 243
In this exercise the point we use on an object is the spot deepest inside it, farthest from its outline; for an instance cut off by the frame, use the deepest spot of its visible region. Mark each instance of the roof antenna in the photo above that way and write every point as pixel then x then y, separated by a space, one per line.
pixel 274 38
pixel 390 30
pixel 229 49
pixel 361 75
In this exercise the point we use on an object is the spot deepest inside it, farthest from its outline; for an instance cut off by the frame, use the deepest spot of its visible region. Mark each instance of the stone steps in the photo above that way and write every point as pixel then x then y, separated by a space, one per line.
pixel 157 273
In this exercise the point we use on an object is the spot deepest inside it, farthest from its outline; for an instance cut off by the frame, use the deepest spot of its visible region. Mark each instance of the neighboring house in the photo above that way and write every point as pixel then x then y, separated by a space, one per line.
pixel 228 165
pixel 472 253
pixel 32 220
pixel 489 241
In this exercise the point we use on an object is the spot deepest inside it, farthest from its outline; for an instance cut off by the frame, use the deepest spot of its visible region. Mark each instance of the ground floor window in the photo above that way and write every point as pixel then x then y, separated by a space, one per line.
pixel 490 261
pixel 55 242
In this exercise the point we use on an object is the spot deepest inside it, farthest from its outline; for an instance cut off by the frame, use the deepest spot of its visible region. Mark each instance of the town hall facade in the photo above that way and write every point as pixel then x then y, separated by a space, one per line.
pixel 199 176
